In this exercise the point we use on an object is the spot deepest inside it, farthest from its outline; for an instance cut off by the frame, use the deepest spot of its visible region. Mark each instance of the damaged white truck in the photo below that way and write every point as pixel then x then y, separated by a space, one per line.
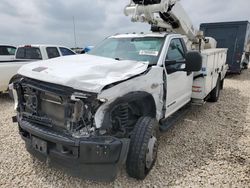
pixel 91 113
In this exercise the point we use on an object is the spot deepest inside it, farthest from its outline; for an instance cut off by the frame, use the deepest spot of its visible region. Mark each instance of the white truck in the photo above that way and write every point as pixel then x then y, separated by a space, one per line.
pixel 7 53
pixel 91 113
pixel 23 55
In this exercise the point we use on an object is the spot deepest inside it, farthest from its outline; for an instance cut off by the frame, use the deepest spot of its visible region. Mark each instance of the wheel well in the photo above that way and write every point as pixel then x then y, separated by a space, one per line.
pixel 147 106
pixel 14 78
pixel 143 100
pixel 138 104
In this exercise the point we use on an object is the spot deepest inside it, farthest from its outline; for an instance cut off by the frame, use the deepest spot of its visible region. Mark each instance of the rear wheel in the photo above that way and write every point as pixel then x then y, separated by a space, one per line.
pixel 215 94
pixel 143 148
pixel 222 84
pixel 245 66
pixel 240 71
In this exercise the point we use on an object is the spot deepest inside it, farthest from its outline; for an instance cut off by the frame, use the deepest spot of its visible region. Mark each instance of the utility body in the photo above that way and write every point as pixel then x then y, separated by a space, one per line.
pixel 26 54
pixel 236 37
pixel 91 113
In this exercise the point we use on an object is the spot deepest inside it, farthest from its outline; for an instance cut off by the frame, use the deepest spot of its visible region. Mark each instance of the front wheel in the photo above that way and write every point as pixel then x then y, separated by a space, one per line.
pixel 143 148
pixel 215 93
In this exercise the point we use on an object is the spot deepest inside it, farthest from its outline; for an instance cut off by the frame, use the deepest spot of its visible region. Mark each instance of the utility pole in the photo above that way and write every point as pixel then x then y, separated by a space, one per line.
pixel 74 31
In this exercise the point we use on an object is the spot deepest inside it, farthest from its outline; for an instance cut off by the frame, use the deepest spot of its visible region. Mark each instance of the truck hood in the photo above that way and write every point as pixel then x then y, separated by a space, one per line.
pixel 83 72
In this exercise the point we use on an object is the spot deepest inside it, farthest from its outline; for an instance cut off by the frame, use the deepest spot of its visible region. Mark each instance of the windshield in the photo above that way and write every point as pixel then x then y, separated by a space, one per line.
pixel 136 49
pixel 28 53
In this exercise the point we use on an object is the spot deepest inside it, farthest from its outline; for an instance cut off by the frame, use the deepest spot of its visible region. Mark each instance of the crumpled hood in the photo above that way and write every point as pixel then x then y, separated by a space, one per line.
pixel 83 72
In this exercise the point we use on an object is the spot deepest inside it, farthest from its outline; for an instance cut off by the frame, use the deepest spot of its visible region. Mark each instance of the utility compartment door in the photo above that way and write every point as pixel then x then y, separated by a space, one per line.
pixel 213 65
pixel 179 84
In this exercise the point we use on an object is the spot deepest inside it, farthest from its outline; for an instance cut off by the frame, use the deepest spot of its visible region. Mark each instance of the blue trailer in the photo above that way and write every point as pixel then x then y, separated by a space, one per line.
pixel 236 37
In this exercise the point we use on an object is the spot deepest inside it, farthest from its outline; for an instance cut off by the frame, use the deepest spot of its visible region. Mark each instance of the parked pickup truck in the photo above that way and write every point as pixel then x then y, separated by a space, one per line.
pixel 93 112
pixel 26 54
pixel 7 53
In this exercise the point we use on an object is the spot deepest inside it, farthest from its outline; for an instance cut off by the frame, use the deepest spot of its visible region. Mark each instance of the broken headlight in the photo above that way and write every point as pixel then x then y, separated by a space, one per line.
pixel 84 107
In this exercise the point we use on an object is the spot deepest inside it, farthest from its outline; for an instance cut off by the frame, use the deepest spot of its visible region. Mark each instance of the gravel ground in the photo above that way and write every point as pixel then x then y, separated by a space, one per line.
pixel 210 147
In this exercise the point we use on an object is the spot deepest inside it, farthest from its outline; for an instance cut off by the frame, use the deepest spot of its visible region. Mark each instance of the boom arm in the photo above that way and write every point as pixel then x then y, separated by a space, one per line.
pixel 167 14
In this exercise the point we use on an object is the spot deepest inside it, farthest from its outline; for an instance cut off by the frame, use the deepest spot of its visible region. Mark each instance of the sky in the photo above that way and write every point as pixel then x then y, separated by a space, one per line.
pixel 51 22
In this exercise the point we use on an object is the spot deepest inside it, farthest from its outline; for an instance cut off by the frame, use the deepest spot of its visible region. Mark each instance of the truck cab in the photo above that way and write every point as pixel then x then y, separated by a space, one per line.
pixel 41 52
pixel 165 53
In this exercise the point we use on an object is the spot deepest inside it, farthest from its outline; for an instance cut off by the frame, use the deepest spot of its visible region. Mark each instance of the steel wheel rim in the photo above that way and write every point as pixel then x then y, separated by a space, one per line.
pixel 151 152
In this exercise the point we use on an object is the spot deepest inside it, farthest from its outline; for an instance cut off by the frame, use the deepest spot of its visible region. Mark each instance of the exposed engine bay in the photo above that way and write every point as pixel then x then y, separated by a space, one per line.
pixel 70 112
pixel 56 107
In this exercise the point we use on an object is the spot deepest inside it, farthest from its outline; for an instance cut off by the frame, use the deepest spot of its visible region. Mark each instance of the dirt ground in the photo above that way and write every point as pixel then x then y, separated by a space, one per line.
pixel 210 147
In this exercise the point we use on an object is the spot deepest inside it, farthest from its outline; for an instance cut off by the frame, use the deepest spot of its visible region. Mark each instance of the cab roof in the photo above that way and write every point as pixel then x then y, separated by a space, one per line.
pixel 131 35
pixel 137 35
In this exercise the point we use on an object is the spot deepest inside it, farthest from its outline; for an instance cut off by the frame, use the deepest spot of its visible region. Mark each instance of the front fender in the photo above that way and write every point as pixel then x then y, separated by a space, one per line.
pixel 150 83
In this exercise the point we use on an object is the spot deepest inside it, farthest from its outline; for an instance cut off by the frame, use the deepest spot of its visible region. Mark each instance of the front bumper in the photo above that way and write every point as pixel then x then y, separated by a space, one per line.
pixel 95 158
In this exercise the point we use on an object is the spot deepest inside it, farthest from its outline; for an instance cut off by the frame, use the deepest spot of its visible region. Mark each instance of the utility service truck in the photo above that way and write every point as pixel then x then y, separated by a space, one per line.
pixel 91 113
pixel 23 55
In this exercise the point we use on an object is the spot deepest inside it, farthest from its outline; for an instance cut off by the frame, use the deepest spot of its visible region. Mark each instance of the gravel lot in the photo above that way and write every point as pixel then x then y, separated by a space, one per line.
pixel 210 147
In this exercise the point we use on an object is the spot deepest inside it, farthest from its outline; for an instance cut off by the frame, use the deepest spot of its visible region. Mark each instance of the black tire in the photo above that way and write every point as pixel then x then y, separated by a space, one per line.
pixel 222 84
pixel 143 148
pixel 240 71
pixel 245 66
pixel 215 93
pixel 11 94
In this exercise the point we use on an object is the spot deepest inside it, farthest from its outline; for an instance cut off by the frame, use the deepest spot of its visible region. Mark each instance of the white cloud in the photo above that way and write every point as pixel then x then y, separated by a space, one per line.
pixel 29 21
pixel 216 11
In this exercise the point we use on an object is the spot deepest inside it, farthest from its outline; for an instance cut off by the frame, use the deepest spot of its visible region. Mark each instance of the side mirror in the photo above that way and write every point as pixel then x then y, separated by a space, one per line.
pixel 193 61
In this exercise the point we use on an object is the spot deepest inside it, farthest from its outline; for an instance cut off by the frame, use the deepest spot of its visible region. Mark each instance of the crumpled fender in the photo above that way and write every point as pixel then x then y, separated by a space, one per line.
pixel 150 82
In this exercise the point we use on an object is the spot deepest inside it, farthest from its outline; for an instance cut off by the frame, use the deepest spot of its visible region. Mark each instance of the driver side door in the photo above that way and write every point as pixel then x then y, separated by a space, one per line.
pixel 179 83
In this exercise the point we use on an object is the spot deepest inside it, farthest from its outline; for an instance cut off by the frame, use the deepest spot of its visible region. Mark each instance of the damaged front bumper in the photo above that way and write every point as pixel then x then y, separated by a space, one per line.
pixel 94 158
